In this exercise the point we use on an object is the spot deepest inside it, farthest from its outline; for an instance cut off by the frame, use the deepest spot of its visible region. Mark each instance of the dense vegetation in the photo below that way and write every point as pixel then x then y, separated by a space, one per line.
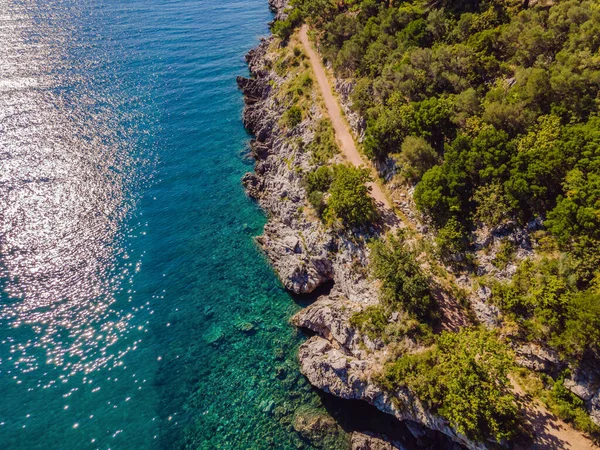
pixel 404 286
pixel 505 95
pixel 339 194
pixel 490 109
pixel 464 377
pixel 544 299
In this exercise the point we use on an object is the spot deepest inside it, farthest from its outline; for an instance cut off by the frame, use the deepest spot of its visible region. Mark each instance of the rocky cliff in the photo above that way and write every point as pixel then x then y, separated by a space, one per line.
pixel 306 255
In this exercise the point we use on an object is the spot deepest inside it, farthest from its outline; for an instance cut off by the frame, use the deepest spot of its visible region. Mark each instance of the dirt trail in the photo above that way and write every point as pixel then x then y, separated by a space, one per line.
pixel 342 130
pixel 550 432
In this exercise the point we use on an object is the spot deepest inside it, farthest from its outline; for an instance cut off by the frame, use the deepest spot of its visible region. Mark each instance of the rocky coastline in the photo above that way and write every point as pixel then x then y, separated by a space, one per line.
pixel 309 258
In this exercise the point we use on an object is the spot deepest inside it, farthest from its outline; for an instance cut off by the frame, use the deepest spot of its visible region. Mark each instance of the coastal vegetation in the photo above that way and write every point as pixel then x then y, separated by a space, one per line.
pixel 487 115
pixel 339 194
pixel 403 284
pixel 464 378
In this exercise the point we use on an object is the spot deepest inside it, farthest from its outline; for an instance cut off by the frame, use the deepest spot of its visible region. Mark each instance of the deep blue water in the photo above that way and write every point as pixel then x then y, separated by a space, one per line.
pixel 136 311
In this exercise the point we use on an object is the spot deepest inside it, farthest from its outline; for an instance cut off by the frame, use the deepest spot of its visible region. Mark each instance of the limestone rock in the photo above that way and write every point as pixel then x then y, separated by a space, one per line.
pixel 330 318
pixel 367 441
pixel 538 358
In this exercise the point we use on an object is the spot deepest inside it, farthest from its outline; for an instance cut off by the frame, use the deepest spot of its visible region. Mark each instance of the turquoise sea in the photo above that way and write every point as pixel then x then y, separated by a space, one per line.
pixel 136 311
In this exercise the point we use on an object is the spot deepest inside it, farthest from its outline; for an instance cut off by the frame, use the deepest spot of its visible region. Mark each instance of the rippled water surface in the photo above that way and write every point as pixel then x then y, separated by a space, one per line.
pixel 136 311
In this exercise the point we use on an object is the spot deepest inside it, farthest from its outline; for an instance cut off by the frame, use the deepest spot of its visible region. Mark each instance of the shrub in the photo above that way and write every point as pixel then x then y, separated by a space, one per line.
pixel 319 179
pixel 492 205
pixel 284 28
pixel 464 378
pixel 403 283
pixel 504 255
pixel 317 201
pixel 570 408
pixel 416 157
pixel 451 241
pixel 350 199
pixel 323 145
pixel 293 116
pixel 370 321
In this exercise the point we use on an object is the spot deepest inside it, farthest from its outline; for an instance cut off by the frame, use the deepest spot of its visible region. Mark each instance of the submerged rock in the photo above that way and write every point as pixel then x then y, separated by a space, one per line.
pixel 214 334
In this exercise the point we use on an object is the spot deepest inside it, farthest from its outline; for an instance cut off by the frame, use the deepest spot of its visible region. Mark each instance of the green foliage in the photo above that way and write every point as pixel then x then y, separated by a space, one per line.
pixel 492 108
pixel 284 28
pixel 492 206
pixel 506 96
pixel 403 283
pixel 317 184
pixel 451 240
pixel 323 145
pixel 464 378
pixel 570 408
pixel 582 324
pixel 317 201
pixel 545 297
pixel 320 179
pixel 389 125
pixel 577 214
pixel 415 158
pixel 293 116
pixel 504 255
pixel 350 201
pixel 370 321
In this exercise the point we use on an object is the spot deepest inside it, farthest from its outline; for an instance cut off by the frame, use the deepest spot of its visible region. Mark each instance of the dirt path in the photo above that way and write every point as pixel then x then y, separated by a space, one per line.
pixel 550 432
pixel 342 130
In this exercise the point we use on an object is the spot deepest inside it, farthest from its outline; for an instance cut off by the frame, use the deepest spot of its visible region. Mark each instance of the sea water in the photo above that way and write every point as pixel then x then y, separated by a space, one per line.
pixel 136 310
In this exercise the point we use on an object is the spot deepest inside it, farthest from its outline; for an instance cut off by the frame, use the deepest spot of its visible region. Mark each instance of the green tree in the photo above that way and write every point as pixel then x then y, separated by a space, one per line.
pixel 416 157
pixel 465 379
pixel 582 327
pixel 403 283
pixel 577 214
pixel 492 205
pixel 350 200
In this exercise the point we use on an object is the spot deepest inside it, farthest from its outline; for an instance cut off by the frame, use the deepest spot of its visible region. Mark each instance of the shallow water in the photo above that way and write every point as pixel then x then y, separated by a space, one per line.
pixel 136 310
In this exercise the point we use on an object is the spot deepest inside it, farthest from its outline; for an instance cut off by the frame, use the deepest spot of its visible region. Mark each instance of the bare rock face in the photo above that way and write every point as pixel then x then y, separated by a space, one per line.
pixel 330 317
pixel 299 258
pixel 486 312
pixel 279 7
pixel 488 243
pixel 594 408
pixel 297 248
pixel 358 124
pixel 538 358
pixel 367 441
pixel 584 382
